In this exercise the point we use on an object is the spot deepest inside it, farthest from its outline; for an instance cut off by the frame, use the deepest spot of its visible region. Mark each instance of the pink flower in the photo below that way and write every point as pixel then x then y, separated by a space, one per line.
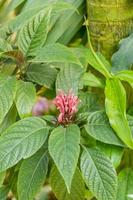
pixel 67 105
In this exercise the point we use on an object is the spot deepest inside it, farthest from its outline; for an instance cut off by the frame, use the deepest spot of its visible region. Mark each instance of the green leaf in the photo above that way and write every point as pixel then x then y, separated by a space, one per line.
pixel 4 190
pixel 123 58
pixel 99 174
pixel 99 128
pixel 77 189
pixel 93 59
pixel 91 80
pixel 14 4
pixel 126 75
pixel 25 98
pixel 7 92
pixel 68 78
pixel 34 33
pixel 67 24
pixel 32 175
pixel 114 153
pixel 56 53
pixel 64 149
pixel 115 104
pixel 2 177
pixel 4 46
pixel 125 184
pixel 9 119
pixel 42 74
pixel 21 140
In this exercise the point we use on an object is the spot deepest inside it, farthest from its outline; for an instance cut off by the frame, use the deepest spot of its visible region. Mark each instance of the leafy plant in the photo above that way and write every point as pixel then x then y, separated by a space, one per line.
pixel 66 124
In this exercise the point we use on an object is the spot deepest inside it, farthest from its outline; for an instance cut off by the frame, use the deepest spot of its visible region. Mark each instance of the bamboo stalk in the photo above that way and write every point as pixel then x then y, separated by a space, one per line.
pixel 109 21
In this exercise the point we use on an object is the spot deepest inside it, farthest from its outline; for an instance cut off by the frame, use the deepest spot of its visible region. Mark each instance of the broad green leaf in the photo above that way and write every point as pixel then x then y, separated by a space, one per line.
pixel 125 184
pixel 33 9
pixel 114 153
pixel 123 58
pixel 68 78
pixel 56 53
pixel 126 75
pixel 99 128
pixel 93 59
pixel 4 190
pixel 91 80
pixel 34 33
pixel 32 175
pixel 25 98
pixel 9 119
pixel 68 23
pixel 77 189
pixel 7 92
pixel 99 174
pixel 42 74
pixel 64 149
pixel 115 104
pixel 23 18
pixel 21 140
pixel 4 46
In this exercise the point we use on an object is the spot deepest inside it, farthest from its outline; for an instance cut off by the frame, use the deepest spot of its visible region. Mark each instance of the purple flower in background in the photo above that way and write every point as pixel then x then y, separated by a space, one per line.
pixel 40 107
pixel 67 105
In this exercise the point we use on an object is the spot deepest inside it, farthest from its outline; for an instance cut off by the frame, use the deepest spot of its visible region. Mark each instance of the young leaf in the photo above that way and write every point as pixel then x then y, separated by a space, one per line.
pixel 115 104
pixel 125 183
pixel 56 53
pixel 68 78
pixel 64 149
pixel 34 33
pixel 42 74
pixel 21 140
pixel 25 98
pixel 99 128
pixel 32 175
pixel 7 92
pixel 99 174
pixel 77 189
pixel 123 58
pixel 126 75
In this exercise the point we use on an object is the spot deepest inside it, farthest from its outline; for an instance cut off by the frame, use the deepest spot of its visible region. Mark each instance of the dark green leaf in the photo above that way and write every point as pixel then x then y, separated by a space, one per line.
pixel 123 58
pixel 7 92
pixel 99 174
pixel 32 175
pixel 99 128
pixel 4 190
pixel 56 53
pixel 21 140
pixel 34 33
pixel 68 78
pixel 64 149
pixel 77 189
pixel 25 98
pixel 42 74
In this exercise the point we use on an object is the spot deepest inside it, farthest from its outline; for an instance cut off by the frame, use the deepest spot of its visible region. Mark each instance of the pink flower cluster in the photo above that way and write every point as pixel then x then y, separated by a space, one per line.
pixel 67 105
